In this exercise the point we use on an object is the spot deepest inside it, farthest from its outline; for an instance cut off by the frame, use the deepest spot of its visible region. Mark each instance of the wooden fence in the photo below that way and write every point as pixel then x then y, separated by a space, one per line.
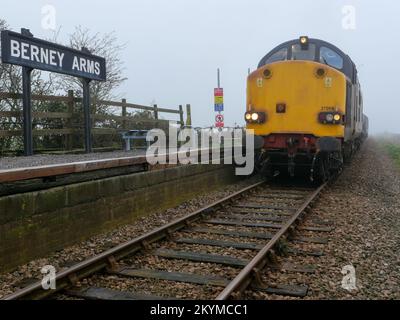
pixel 104 123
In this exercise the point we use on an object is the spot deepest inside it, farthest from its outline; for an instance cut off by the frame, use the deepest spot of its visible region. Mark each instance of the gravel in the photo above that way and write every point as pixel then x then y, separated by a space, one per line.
pixel 47 159
pixel 147 260
pixel 63 259
pixel 363 205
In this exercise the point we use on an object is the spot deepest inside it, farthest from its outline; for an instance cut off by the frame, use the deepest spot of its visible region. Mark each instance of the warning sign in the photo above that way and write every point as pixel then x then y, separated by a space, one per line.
pixel 218 92
pixel 219 100
pixel 219 107
pixel 219 118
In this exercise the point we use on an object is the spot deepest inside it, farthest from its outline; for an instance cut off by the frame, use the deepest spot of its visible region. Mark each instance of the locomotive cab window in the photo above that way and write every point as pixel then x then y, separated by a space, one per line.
pixel 280 55
pixel 331 58
pixel 299 53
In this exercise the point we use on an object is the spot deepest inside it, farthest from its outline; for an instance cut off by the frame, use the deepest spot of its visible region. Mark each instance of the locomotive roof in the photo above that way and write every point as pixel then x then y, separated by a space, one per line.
pixel 349 67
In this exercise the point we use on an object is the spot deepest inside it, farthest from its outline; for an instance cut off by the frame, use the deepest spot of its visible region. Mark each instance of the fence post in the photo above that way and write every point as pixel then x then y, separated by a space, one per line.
pixel 93 110
pixel 155 112
pixel 188 115
pixel 181 116
pixel 70 110
pixel 124 114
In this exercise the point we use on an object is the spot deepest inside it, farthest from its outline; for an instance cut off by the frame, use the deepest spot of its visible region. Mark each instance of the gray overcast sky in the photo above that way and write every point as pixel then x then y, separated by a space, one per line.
pixel 175 46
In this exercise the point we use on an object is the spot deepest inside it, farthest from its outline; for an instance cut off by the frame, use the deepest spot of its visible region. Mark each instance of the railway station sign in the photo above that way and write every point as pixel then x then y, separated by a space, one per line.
pixel 31 53
pixel 26 51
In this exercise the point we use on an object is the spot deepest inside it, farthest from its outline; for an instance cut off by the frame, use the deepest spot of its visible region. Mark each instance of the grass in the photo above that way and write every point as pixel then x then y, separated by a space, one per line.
pixel 394 152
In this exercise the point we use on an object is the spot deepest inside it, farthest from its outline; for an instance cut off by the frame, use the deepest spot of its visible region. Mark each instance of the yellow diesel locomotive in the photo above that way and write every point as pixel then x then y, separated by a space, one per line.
pixel 305 105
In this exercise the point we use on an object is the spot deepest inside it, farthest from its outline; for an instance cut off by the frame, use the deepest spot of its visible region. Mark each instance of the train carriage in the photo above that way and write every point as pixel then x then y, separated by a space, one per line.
pixel 305 105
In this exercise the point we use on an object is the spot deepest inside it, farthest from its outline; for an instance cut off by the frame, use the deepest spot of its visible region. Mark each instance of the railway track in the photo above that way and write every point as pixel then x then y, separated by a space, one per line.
pixel 219 252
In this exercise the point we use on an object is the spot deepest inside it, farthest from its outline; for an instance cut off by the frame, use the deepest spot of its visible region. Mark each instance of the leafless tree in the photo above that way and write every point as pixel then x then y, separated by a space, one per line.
pixel 104 45
pixel 11 76
pixel 11 82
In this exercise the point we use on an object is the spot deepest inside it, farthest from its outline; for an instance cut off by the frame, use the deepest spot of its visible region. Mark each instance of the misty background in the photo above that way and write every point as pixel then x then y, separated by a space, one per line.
pixel 173 48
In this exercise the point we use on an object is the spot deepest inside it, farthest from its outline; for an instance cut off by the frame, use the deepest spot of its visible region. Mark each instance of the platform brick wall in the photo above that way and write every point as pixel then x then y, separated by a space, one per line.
pixel 35 224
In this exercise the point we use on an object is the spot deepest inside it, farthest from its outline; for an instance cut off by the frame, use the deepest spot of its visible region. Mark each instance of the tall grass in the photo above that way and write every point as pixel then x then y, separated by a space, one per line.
pixel 394 152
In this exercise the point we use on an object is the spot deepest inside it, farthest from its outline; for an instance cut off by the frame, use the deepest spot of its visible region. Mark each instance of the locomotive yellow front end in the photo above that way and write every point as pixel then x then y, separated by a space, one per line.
pixel 298 107
pixel 294 96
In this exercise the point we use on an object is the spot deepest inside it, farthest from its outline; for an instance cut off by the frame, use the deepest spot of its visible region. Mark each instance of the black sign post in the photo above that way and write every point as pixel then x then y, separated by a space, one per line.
pixel 27 110
pixel 27 103
pixel 31 53
pixel 86 110
pixel 86 113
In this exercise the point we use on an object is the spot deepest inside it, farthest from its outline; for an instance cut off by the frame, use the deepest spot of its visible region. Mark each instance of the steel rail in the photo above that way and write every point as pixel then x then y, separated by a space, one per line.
pixel 245 277
pixel 108 258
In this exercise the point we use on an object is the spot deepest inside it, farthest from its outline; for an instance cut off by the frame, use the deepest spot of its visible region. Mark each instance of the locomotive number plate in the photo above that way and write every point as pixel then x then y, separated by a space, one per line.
pixel 329 109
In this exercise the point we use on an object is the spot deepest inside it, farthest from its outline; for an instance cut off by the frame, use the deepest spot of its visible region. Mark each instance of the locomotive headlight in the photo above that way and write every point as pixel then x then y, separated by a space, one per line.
pixel 329 117
pixel 304 43
pixel 255 116
pixel 320 72
pixel 267 73
pixel 304 40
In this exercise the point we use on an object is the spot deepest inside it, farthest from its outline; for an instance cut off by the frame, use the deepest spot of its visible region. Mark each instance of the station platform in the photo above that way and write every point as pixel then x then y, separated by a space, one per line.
pixel 40 166
pixel 50 159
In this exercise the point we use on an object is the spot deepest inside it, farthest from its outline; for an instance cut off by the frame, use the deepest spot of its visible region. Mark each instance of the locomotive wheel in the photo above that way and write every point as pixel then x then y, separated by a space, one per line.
pixel 262 163
pixel 321 169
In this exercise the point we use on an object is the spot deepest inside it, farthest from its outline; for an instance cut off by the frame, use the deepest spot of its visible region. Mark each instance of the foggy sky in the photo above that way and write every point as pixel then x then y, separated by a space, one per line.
pixel 173 47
